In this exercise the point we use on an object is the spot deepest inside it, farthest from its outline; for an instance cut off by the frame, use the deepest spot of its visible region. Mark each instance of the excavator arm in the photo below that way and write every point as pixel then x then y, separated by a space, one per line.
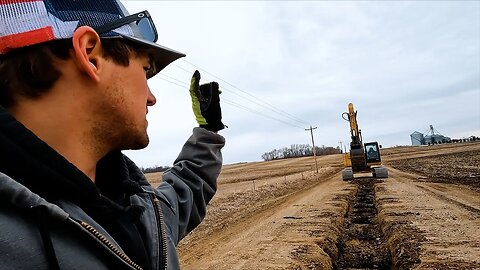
pixel 351 117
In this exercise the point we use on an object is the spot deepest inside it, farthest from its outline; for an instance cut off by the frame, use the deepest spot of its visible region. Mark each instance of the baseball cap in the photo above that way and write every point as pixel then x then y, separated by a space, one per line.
pixel 29 22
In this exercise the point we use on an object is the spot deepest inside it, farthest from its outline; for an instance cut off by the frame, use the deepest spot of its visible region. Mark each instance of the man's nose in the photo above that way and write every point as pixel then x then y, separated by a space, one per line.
pixel 151 99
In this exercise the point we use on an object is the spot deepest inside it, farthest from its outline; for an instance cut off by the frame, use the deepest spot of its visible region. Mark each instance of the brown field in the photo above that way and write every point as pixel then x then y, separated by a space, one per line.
pixel 282 215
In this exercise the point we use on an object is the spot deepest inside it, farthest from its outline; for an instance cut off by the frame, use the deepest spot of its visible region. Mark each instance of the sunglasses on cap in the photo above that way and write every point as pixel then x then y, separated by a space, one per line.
pixel 142 20
pixel 140 28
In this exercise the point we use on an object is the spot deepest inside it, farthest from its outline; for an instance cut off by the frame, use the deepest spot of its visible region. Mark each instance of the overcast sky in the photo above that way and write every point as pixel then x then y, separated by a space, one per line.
pixel 286 65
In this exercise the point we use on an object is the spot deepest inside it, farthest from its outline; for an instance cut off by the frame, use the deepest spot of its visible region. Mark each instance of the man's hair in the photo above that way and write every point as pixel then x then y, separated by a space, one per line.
pixel 32 71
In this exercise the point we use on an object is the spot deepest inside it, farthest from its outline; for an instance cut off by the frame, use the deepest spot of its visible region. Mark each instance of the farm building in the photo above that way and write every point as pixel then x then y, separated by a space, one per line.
pixel 433 137
pixel 417 138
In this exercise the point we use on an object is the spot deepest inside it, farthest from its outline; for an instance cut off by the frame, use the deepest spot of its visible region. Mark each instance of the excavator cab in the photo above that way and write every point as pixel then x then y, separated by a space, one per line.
pixel 372 153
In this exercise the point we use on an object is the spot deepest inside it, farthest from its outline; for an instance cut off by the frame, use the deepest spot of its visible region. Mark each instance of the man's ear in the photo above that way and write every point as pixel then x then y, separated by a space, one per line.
pixel 87 49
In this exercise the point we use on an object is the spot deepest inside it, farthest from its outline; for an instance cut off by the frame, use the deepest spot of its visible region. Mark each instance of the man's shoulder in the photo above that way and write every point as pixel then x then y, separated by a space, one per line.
pixel 17 196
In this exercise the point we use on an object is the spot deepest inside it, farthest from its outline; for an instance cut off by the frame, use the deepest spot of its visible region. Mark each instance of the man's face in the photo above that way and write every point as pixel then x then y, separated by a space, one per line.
pixel 122 106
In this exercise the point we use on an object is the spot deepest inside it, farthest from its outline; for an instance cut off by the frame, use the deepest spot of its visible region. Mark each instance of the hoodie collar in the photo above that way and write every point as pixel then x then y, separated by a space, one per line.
pixel 33 163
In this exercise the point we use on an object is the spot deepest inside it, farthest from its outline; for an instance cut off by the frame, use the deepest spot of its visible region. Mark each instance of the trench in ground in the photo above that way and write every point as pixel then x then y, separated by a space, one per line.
pixel 362 244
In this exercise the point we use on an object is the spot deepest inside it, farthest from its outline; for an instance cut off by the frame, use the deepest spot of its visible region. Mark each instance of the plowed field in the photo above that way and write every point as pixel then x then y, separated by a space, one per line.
pixel 283 215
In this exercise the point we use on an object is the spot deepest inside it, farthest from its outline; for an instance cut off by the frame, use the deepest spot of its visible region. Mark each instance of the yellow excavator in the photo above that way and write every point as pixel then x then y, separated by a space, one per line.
pixel 363 158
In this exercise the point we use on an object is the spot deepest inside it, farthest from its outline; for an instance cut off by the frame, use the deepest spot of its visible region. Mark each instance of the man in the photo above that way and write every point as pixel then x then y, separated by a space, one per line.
pixel 73 94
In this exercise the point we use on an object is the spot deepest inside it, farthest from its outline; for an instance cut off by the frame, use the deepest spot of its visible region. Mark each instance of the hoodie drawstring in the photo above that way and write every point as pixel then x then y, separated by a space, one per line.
pixel 41 215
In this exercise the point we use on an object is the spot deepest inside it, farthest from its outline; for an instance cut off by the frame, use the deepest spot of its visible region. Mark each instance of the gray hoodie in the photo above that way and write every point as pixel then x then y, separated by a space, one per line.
pixel 36 234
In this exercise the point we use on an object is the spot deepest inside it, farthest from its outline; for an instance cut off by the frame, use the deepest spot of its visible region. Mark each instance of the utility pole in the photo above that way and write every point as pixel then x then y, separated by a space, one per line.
pixel 313 143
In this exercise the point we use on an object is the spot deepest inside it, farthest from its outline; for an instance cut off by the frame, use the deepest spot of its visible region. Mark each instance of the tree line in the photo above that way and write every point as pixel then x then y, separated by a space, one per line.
pixel 299 150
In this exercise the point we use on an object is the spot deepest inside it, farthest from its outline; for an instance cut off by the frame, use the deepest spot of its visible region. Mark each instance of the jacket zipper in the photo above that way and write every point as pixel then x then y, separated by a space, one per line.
pixel 161 231
pixel 107 243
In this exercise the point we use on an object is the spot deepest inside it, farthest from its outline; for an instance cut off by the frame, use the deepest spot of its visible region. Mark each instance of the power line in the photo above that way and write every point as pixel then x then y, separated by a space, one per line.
pixel 233 92
pixel 268 108
pixel 234 104
pixel 266 103
pixel 257 112
pixel 263 106
pixel 187 71
pixel 182 86
pixel 259 102
pixel 172 78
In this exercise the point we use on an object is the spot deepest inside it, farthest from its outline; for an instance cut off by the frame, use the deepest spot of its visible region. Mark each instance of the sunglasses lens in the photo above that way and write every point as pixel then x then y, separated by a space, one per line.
pixel 147 29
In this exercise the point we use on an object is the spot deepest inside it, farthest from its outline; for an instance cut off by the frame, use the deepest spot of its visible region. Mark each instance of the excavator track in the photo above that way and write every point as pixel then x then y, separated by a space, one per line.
pixel 380 172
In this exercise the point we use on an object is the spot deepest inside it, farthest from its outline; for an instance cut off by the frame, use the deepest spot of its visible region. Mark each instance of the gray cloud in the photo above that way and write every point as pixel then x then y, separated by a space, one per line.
pixel 404 64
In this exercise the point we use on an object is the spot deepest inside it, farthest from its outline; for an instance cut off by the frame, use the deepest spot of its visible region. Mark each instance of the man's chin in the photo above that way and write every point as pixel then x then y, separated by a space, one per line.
pixel 140 142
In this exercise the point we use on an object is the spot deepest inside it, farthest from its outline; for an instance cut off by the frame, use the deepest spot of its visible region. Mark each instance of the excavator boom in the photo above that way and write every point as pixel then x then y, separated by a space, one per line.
pixel 352 118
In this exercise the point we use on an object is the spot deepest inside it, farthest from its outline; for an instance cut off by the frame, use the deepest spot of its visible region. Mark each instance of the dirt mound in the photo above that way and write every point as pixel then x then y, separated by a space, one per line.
pixel 403 238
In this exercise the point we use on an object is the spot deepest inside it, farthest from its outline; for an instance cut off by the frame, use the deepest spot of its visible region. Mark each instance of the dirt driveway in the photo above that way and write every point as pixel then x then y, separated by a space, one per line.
pixel 442 221
pixel 282 215
pixel 276 236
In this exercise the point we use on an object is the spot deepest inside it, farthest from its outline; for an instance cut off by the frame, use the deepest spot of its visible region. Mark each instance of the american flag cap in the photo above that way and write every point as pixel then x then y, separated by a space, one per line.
pixel 29 22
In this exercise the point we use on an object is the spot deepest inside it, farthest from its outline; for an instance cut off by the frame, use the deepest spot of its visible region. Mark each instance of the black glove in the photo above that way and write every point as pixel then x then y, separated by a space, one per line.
pixel 206 103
